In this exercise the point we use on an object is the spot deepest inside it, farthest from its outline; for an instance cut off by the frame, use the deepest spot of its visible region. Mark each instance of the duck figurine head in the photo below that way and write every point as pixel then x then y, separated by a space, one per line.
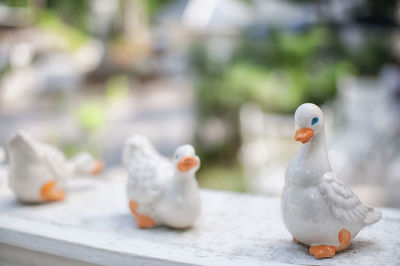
pixel 309 121
pixel 318 209
pixel 186 160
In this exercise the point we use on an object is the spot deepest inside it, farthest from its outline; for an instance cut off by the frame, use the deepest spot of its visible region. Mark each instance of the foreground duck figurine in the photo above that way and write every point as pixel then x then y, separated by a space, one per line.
pixel 161 191
pixel 318 209
pixel 38 172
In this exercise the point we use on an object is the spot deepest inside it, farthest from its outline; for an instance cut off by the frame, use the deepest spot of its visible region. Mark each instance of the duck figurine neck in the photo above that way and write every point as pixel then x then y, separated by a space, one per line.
pixel 312 160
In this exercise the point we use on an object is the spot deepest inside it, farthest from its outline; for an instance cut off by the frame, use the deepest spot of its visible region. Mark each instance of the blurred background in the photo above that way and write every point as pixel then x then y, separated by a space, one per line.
pixel 224 75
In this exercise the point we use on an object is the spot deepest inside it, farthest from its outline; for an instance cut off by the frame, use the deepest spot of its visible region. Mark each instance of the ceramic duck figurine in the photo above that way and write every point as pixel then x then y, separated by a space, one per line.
pixel 318 209
pixel 161 191
pixel 38 172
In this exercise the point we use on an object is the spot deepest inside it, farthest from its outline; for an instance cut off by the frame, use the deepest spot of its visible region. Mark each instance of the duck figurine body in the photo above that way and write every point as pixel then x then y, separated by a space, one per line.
pixel 38 172
pixel 161 191
pixel 318 209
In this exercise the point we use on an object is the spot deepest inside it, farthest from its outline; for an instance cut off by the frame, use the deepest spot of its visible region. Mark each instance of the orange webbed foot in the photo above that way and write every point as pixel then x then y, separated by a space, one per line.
pixel 344 239
pixel 322 251
pixel 142 221
pixel 50 192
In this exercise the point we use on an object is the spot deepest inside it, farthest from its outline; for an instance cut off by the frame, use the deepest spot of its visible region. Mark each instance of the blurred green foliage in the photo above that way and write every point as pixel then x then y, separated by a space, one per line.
pixel 368 59
pixel 92 115
pixel 74 12
pixel 73 37
pixel 70 149
pixel 93 112
pixel 117 87
pixel 279 71
pixel 15 3
pixel 222 178
pixel 152 7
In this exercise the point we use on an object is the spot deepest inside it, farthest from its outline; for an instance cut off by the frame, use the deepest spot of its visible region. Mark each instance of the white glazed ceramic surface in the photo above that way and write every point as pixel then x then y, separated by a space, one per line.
pixel 34 164
pixel 316 205
pixel 165 189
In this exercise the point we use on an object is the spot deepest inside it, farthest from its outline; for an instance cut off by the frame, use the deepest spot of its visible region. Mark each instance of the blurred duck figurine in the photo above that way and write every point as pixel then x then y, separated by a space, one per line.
pixel 318 209
pixel 38 172
pixel 161 191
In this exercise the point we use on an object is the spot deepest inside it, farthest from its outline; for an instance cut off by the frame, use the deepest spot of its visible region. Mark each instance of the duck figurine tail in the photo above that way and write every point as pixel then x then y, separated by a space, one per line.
pixel 318 209
pixel 372 217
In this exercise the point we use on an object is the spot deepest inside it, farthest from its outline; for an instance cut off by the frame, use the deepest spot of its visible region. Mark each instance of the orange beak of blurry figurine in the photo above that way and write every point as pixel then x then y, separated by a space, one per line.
pixel 304 134
pixel 187 163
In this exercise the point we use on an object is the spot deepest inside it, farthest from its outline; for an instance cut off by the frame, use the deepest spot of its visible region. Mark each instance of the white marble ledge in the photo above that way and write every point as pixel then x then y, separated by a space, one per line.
pixel 94 226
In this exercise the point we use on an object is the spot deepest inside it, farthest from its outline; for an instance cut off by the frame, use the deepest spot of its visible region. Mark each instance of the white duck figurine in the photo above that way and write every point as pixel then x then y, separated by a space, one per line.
pixel 161 191
pixel 38 172
pixel 318 209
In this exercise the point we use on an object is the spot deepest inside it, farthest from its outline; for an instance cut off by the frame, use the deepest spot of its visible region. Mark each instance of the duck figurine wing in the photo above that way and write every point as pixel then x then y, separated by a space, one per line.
pixel 55 161
pixel 161 191
pixel 344 204
pixel 147 170
pixel 144 183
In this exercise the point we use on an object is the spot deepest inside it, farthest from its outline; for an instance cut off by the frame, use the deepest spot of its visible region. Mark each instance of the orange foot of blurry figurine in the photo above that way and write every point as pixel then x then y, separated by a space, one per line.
pixel 50 192
pixel 324 251
pixel 142 221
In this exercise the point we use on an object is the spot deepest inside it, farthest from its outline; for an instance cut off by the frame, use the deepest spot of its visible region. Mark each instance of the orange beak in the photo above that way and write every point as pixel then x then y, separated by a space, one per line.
pixel 97 167
pixel 187 163
pixel 304 134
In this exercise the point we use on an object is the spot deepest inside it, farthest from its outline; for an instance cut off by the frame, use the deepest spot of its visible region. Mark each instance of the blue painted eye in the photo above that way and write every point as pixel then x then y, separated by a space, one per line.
pixel 314 121
pixel 177 156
